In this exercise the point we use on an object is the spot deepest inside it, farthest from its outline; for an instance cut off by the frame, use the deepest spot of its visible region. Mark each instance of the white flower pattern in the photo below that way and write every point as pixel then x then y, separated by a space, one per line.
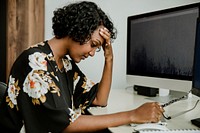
pixel 35 85
pixel 37 61
pixel 13 92
pixel 38 82
pixel 87 85
pixel 67 65
pixel 74 115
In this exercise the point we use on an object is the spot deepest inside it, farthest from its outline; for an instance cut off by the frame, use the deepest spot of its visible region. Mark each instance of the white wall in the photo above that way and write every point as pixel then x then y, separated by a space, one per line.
pixel 118 10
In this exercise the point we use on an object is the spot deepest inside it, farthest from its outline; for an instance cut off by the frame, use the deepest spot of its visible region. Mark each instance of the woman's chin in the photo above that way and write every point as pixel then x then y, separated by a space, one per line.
pixel 78 60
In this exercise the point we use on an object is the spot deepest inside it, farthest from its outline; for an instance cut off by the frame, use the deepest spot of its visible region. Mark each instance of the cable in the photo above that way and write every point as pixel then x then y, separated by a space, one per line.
pixel 180 113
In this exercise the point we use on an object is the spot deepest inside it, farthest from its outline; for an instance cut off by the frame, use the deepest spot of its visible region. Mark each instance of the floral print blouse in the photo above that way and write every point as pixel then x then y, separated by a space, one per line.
pixel 40 96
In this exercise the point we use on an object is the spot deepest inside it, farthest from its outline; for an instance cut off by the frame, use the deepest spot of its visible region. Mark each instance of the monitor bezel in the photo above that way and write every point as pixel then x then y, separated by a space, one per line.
pixel 196 91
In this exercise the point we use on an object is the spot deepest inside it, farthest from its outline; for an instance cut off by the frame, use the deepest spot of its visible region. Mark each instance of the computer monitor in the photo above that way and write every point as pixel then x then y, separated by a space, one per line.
pixel 196 70
pixel 160 48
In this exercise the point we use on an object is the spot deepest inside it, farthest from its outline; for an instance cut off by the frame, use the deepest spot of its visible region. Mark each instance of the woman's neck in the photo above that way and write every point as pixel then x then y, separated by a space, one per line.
pixel 59 49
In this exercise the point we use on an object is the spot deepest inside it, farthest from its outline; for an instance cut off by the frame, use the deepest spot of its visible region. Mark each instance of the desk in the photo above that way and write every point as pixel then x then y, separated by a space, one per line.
pixel 123 100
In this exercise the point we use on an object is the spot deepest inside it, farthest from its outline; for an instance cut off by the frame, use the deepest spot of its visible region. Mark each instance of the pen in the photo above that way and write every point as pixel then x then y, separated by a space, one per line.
pixel 173 101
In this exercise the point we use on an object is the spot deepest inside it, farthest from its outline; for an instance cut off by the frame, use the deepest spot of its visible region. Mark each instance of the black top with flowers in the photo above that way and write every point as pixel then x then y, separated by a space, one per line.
pixel 42 98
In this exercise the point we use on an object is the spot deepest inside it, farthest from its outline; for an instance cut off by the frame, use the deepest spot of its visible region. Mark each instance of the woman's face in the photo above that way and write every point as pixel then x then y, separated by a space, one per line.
pixel 80 52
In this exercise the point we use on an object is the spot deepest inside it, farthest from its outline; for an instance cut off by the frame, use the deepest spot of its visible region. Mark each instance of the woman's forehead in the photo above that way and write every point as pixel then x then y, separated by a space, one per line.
pixel 96 35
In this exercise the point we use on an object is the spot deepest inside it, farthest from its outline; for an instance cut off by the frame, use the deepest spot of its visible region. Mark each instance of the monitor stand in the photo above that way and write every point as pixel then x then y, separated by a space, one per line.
pixel 196 122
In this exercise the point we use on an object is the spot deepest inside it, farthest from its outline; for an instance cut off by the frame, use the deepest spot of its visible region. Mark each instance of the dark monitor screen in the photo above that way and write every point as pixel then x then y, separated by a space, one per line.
pixel 196 68
pixel 161 43
pixel 196 71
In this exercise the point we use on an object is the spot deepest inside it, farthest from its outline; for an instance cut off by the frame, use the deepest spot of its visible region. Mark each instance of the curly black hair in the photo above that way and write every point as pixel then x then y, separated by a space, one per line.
pixel 79 20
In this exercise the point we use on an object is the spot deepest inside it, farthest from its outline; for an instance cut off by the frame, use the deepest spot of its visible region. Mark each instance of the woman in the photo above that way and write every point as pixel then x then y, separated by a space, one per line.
pixel 47 92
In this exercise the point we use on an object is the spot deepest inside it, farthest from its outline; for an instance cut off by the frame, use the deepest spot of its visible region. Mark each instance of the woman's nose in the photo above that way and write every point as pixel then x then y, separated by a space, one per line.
pixel 92 52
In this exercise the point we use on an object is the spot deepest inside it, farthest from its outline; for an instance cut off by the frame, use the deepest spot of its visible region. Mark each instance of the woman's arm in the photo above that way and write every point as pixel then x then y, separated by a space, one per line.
pixel 148 112
pixel 105 83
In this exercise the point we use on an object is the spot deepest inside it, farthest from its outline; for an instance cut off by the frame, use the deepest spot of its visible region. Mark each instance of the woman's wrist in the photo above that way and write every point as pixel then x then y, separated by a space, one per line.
pixel 132 117
pixel 108 58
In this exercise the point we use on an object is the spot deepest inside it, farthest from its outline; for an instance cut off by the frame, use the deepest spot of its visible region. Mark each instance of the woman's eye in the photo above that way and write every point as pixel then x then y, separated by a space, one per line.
pixel 93 45
pixel 98 48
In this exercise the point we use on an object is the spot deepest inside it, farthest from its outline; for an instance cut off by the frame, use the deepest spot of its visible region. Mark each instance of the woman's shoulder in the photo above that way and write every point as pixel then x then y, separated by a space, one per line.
pixel 40 47
pixel 37 48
